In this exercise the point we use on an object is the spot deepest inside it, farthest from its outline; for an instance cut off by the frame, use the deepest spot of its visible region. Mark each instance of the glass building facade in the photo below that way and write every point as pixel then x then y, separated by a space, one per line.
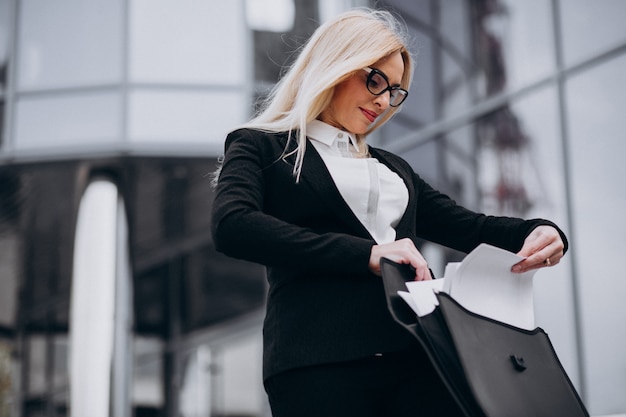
pixel 113 300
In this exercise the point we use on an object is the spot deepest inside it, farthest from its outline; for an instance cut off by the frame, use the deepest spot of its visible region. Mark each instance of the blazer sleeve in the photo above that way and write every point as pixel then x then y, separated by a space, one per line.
pixel 441 220
pixel 242 229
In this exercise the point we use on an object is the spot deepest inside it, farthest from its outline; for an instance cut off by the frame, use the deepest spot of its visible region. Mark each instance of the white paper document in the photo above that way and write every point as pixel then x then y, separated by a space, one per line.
pixel 421 295
pixel 482 283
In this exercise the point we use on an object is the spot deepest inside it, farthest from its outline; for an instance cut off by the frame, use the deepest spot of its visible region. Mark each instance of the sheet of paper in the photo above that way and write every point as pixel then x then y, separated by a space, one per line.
pixel 484 284
pixel 450 275
pixel 406 296
pixel 421 295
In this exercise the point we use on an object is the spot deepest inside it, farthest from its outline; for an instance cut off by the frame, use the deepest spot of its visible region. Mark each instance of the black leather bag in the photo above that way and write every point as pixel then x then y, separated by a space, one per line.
pixel 491 369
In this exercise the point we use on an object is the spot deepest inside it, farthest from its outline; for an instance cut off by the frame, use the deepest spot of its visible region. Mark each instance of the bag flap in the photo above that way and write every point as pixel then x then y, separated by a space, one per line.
pixel 431 332
pixel 512 372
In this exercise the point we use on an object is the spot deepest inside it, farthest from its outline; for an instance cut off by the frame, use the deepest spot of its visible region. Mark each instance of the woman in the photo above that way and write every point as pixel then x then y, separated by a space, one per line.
pixel 301 192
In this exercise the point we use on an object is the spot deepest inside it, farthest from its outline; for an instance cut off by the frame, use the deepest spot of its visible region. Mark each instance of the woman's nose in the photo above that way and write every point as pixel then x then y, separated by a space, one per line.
pixel 382 100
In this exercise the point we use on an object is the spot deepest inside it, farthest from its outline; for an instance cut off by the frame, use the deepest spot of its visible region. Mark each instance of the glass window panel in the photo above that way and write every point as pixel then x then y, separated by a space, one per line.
pixel 60 404
pixel 330 8
pixel 541 170
pixel 37 364
pixel 515 178
pixel 460 166
pixel 147 375
pixel 188 41
pixel 67 119
pixel 9 273
pixel 425 160
pixel 60 352
pixel 4 58
pixel 6 383
pixel 232 288
pixel 512 54
pixel 591 27
pixel 4 45
pixel 455 93
pixel 270 15
pixel 167 116
pixel 69 43
pixel 521 173
pixel 224 378
pixel 595 101
pixel 195 396
pixel 241 368
pixel 455 54
pixel 421 104
pixel 2 107
pixel 273 51
pixel 529 45
pixel 401 126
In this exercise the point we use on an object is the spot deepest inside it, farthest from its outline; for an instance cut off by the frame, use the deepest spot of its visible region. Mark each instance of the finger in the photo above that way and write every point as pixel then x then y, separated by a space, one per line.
pixel 422 272
pixel 533 245
pixel 538 260
pixel 539 239
pixel 549 256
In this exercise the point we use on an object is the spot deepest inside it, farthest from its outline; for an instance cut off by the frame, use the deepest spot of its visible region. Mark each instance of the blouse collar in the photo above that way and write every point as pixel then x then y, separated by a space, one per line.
pixel 327 134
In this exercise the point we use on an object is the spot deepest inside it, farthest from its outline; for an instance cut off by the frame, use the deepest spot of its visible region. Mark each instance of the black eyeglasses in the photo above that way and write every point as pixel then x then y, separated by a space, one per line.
pixel 377 84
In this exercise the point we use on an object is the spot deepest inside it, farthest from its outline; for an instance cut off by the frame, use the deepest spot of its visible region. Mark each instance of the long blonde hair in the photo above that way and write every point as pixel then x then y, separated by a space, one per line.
pixel 336 50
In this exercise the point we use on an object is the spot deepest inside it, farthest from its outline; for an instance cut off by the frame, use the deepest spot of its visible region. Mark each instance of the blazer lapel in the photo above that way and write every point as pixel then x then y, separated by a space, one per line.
pixel 318 178
pixel 316 175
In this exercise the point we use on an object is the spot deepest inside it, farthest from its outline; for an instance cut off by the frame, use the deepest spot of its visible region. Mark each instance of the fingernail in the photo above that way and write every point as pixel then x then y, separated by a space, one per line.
pixel 516 268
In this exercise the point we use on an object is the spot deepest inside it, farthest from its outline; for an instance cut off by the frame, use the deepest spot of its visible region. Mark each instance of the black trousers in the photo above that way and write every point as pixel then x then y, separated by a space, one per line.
pixel 402 384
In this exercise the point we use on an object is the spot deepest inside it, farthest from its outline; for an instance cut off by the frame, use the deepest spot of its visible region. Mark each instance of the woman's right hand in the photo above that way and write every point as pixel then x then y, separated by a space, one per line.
pixel 403 252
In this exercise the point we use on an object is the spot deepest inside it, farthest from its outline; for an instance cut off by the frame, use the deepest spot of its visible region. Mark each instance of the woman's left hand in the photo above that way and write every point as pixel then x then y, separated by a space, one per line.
pixel 542 247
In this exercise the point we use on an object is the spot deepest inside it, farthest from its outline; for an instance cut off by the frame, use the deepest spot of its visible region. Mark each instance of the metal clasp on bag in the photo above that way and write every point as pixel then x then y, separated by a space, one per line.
pixel 518 363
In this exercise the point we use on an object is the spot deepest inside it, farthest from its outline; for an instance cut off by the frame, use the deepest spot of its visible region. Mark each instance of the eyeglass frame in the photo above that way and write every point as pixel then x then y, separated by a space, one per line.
pixel 370 74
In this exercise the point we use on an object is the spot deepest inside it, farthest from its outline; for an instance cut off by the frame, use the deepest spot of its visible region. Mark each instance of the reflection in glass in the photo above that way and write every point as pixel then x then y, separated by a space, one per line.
pixel 6 385
pixel 503 145
pixel 532 166
pixel 69 43
pixel 223 379
pixel 240 375
pixel 520 158
pixel 169 116
pixel 77 119
pixel 509 54
pixel 270 15
pixel 527 38
pixel 460 166
pixel 199 42
pixel 148 383
pixel 454 57
pixel 4 48
pixel 4 59
pixel 591 27
pixel 195 395
pixel 60 353
pixel 9 258
pixel 595 102
pixel 37 359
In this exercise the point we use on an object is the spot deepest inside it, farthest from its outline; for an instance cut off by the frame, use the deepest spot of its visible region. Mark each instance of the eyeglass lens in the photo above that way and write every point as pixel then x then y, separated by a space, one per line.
pixel 377 84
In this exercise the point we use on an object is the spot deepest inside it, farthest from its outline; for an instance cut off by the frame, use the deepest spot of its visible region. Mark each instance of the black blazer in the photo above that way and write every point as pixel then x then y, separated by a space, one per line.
pixel 324 305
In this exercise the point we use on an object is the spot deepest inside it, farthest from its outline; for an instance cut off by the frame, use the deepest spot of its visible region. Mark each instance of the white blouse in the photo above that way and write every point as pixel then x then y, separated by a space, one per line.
pixel 376 195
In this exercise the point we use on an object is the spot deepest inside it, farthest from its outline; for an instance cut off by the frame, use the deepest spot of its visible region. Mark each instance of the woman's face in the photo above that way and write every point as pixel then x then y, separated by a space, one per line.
pixel 353 108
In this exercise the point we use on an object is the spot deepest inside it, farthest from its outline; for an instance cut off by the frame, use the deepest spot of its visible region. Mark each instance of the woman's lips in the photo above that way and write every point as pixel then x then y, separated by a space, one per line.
pixel 371 116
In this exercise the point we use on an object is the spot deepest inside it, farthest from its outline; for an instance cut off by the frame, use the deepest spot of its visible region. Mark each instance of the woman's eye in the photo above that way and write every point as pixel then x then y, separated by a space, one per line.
pixel 376 81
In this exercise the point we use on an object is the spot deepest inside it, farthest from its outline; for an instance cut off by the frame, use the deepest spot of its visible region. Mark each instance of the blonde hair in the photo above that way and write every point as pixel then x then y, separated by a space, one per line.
pixel 336 50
